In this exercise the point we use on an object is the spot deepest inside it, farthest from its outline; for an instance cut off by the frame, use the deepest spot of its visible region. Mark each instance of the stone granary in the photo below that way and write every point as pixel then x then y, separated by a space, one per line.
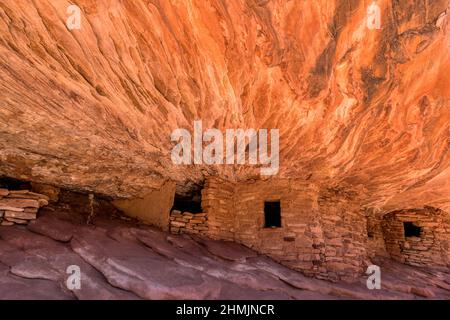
pixel 323 233
pixel 361 115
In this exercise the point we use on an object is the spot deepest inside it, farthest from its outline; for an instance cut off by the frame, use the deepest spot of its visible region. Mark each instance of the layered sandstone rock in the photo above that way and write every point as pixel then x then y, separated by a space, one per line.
pixel 92 109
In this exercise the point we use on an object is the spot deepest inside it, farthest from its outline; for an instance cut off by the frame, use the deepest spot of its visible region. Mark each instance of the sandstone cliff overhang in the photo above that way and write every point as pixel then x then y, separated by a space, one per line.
pixel 92 109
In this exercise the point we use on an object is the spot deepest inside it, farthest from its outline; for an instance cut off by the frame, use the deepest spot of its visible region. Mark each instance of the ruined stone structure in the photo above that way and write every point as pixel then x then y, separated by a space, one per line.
pixel 418 237
pixel 322 232
pixel 428 242
pixel 186 222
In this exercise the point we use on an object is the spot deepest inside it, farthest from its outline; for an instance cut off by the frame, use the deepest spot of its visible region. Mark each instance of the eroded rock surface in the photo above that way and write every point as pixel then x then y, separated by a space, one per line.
pixel 92 109
pixel 123 260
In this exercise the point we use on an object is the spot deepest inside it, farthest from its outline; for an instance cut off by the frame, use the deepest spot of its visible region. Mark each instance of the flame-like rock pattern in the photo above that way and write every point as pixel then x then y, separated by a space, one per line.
pixel 92 109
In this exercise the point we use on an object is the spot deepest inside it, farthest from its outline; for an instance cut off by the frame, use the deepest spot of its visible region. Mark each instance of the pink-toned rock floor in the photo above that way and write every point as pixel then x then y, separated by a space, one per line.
pixel 122 260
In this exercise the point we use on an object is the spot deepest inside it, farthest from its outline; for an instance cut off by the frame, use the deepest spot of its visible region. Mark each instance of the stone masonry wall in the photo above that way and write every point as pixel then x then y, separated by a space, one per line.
pixel 432 247
pixel 344 229
pixel 218 202
pixel 375 237
pixel 322 232
pixel 186 222
pixel 296 243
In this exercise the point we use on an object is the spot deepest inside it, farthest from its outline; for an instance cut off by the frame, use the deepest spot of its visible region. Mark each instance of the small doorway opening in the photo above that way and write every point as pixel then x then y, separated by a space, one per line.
pixel 186 204
pixel 272 214
pixel 189 200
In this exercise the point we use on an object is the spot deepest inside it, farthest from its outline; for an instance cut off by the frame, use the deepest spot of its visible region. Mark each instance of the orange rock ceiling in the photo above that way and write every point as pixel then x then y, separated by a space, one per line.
pixel 93 109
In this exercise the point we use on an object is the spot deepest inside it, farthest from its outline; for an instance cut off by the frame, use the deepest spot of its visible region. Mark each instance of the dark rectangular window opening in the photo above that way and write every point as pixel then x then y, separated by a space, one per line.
pixel 272 214
pixel 411 230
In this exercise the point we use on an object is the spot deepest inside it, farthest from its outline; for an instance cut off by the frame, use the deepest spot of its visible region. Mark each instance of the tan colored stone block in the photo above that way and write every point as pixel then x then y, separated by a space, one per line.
pixel 177 224
pixel 187 215
pixel 197 221
pixel 19 203
pixel 19 191
pixel 200 215
pixel 3 207
pixel 20 215
pixel 42 202
pixel 24 194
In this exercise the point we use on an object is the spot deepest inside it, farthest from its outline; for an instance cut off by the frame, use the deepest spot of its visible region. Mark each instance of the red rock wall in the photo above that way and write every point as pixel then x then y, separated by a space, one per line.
pixel 93 109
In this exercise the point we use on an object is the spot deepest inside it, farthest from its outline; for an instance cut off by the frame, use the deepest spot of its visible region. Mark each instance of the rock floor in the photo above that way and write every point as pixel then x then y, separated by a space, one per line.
pixel 123 260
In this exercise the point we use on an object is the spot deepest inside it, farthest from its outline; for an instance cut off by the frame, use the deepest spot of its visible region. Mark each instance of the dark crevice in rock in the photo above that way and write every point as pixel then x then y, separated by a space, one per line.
pixel 14 184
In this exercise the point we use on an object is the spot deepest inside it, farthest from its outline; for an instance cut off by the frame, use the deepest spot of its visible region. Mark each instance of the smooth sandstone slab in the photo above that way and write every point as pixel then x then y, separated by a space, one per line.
pixel 17 288
pixel 33 256
pixel 137 269
pixel 53 227
pixel 228 250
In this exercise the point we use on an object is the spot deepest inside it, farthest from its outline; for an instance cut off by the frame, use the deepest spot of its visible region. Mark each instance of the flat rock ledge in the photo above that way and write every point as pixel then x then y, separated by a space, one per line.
pixel 123 260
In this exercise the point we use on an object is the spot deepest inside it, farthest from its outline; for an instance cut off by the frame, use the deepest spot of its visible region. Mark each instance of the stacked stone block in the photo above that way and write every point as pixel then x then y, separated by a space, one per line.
pixel 217 201
pixel 186 222
pixel 20 206
pixel 344 233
